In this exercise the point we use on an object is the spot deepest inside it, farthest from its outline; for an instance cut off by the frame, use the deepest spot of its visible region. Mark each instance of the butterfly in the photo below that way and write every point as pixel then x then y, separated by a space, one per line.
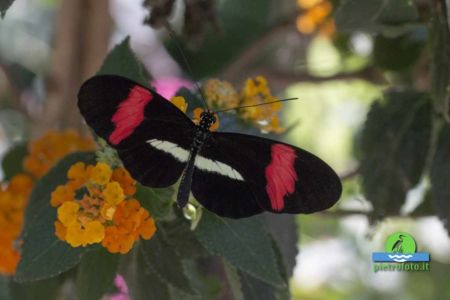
pixel 231 174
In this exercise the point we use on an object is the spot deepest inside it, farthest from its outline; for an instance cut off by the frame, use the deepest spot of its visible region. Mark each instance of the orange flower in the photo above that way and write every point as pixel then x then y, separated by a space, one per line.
pixel 131 222
pixel 21 184
pixel 61 194
pixel 196 118
pixel 13 200
pixel 78 174
pixel 44 152
pixel 123 177
pixel 316 17
pixel 60 230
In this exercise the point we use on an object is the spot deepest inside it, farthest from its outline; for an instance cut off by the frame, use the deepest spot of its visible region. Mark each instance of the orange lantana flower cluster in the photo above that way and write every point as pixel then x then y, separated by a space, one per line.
pixel 13 200
pixel 96 205
pixel 43 153
pixel 316 17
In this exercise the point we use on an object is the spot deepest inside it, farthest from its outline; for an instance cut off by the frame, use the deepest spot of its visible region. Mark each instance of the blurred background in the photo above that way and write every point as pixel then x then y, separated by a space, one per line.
pixel 337 57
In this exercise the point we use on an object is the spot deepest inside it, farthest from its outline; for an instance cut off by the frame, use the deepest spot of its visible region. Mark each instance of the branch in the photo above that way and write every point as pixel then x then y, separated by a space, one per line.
pixel 80 44
pixel 254 50
pixel 370 214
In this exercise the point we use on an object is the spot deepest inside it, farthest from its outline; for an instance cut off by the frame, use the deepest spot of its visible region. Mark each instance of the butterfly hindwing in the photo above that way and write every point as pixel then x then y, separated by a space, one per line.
pixel 249 174
pixel 129 117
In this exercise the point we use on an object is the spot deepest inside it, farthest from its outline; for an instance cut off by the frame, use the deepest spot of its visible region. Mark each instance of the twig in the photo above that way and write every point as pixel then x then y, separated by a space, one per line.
pixel 255 49
pixel 370 214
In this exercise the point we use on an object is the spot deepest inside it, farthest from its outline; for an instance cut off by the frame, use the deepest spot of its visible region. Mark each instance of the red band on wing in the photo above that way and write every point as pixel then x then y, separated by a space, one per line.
pixel 129 114
pixel 280 175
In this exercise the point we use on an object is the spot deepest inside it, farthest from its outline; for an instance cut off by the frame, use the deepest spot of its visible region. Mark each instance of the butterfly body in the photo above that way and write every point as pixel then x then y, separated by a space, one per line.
pixel 234 175
pixel 202 134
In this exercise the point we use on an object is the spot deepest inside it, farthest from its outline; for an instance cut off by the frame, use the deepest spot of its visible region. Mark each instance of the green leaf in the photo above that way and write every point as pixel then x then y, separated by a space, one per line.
pixel 254 289
pixel 12 162
pixel 207 285
pixel 400 52
pixel 48 289
pixel 394 144
pixel 96 274
pixel 243 243
pixel 440 64
pixel 43 254
pixel 165 262
pixel 284 232
pixel 239 28
pixel 440 177
pixel 390 17
pixel 142 282
pixel 4 288
pixel 123 61
pixel 4 5
pixel 158 201
pixel 182 239
pixel 15 125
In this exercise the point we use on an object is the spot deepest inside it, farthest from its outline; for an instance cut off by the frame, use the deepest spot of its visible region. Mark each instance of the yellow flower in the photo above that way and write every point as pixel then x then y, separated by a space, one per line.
pixel 101 173
pixel 94 232
pixel 220 93
pixel 107 211
pixel 75 235
pixel 179 102
pixel 256 91
pixel 113 193
pixel 67 212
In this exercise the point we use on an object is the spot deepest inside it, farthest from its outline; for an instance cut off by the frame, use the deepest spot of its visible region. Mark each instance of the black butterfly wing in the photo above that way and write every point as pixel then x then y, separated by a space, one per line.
pixel 238 175
pixel 135 120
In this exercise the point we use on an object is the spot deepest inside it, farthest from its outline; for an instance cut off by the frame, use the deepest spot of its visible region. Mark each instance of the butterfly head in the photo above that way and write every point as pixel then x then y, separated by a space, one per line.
pixel 207 119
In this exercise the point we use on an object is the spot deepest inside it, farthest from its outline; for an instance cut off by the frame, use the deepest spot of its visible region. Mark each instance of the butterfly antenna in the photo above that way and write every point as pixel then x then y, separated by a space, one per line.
pixel 265 103
pixel 173 35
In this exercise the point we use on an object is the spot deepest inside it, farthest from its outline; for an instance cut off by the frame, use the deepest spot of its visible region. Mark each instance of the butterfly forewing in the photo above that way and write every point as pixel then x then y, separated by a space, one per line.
pixel 235 175
pixel 245 175
pixel 129 117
